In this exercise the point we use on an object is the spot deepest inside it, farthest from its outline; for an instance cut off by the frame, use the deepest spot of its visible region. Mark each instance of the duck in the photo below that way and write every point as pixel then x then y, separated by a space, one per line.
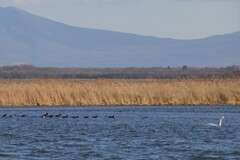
pixel 66 116
pixel 12 116
pixel 24 116
pixel 58 115
pixel 111 116
pixel 51 116
pixel 45 115
pixel 75 117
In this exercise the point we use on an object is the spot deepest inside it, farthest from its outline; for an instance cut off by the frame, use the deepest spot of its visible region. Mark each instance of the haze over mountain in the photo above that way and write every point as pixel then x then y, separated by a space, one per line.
pixel 30 39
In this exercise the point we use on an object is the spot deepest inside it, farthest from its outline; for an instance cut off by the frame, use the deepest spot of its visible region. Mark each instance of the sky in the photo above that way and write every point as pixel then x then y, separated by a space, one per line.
pixel 178 19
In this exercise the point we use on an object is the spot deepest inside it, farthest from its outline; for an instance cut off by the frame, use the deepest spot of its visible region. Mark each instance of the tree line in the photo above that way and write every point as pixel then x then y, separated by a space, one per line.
pixel 32 72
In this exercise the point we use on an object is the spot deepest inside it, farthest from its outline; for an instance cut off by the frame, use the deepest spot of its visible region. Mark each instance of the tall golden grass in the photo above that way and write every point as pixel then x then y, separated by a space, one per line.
pixel 103 92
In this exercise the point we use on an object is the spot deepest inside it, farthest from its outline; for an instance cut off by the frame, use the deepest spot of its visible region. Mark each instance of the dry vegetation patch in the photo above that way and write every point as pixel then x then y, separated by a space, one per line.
pixel 101 92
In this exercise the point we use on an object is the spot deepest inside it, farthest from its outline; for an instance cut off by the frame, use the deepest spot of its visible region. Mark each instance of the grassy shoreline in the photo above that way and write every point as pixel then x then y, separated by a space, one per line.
pixel 103 92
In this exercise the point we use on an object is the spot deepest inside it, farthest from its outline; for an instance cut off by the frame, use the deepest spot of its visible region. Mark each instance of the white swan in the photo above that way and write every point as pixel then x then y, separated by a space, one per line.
pixel 217 125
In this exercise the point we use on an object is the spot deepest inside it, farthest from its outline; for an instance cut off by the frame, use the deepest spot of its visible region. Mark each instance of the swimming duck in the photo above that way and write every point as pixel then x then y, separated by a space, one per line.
pixel 24 116
pixel 75 117
pixel 51 116
pixel 65 116
pixel 12 116
pixel 45 115
pixel 58 115
pixel 111 116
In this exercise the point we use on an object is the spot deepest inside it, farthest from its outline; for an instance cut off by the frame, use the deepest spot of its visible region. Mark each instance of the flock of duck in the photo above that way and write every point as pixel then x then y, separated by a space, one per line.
pixel 46 115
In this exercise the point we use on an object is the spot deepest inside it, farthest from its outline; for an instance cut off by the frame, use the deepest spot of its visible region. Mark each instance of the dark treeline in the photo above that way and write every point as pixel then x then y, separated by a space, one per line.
pixel 32 72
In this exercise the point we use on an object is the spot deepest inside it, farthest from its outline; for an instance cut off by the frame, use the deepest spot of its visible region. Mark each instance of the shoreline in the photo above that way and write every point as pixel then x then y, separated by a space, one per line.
pixel 105 92
pixel 12 107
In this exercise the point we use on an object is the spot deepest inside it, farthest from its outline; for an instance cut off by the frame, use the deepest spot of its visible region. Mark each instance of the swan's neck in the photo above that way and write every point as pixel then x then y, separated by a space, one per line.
pixel 220 123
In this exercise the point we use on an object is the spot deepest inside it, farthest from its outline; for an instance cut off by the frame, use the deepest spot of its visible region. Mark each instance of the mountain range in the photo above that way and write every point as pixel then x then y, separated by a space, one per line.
pixel 29 39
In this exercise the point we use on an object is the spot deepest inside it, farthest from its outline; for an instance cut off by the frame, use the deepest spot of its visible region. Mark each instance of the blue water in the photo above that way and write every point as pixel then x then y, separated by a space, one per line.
pixel 135 133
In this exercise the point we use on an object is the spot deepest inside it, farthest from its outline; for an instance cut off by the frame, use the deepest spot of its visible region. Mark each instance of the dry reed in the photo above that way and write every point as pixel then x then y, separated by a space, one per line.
pixel 119 92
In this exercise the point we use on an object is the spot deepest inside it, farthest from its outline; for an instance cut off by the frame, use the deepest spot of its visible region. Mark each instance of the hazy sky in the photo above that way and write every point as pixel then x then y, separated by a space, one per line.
pixel 181 19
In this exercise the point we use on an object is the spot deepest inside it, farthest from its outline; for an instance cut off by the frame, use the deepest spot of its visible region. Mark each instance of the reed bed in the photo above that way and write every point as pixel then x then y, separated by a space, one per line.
pixel 102 92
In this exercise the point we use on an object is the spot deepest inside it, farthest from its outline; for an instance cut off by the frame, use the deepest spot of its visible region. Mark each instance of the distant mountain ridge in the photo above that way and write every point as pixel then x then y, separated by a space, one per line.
pixel 29 39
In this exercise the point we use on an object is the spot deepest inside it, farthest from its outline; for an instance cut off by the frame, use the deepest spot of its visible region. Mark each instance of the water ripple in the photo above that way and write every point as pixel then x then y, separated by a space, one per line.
pixel 135 133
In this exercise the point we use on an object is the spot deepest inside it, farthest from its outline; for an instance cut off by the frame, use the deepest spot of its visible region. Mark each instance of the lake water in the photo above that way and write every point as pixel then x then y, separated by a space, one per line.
pixel 134 133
